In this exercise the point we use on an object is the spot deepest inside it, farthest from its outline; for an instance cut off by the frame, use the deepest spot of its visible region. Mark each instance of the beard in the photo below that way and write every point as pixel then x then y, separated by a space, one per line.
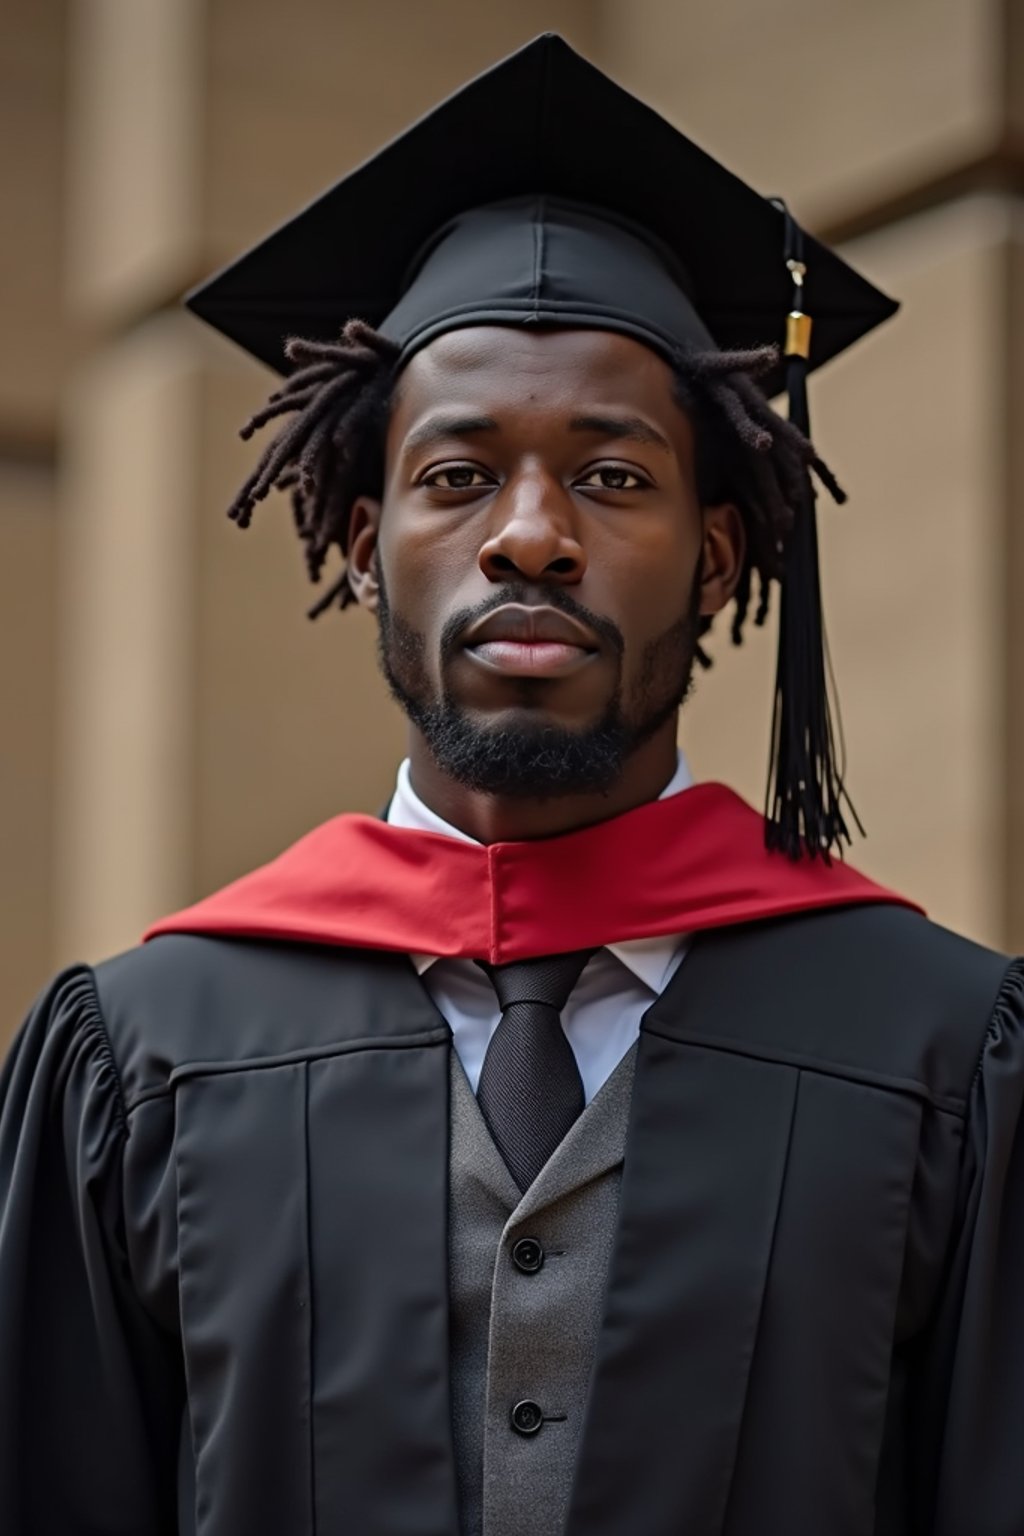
pixel 532 758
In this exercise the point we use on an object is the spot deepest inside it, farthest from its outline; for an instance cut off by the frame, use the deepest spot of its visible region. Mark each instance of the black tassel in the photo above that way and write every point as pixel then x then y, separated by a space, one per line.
pixel 805 800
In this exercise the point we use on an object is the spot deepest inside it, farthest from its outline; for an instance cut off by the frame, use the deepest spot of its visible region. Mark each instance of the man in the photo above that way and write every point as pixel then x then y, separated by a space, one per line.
pixel 551 1155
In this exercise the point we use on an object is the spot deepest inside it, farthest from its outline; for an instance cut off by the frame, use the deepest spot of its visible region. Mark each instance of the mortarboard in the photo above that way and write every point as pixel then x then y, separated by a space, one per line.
pixel 543 193
pixel 543 121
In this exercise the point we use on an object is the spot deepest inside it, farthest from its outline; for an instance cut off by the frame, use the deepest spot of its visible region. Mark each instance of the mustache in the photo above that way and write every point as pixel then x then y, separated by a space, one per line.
pixel 521 592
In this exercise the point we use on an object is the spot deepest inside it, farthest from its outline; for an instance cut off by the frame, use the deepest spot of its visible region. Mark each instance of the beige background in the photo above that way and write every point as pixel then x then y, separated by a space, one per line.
pixel 168 717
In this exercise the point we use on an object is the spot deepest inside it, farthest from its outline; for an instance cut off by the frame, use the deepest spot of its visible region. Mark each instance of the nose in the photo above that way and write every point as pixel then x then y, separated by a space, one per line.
pixel 533 535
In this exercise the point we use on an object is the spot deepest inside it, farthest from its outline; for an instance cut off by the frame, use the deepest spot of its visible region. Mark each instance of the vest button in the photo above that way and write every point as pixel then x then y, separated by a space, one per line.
pixel 528 1255
pixel 526 1417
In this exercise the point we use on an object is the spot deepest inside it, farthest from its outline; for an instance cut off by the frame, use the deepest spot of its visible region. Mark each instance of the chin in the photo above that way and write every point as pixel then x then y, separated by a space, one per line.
pixel 526 753
pixel 530 722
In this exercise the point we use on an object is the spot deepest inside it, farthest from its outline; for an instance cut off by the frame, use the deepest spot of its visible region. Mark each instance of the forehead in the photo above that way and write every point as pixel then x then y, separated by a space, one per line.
pixel 509 369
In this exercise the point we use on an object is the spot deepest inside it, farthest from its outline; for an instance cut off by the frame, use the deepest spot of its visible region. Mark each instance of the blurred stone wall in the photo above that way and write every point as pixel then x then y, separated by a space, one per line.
pixel 35 357
pixel 168 718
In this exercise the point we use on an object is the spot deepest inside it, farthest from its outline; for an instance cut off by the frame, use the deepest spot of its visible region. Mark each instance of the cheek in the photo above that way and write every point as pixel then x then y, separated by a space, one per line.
pixel 665 531
pixel 411 568
pixel 422 582
pixel 430 565
pixel 651 572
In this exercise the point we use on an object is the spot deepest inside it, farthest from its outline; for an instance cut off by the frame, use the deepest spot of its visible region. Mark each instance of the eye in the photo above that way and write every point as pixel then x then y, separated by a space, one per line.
pixel 613 477
pixel 456 477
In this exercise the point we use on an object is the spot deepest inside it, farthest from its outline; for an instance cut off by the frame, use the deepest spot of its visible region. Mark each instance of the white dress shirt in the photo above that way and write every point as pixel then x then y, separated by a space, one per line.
pixel 602 1017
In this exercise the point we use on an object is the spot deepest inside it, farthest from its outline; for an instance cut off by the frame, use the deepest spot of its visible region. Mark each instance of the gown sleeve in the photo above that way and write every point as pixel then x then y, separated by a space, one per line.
pixel 974 1461
pixel 90 1397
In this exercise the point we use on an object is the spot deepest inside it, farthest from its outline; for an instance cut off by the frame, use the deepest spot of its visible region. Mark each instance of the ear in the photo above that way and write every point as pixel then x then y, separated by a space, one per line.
pixel 723 552
pixel 361 560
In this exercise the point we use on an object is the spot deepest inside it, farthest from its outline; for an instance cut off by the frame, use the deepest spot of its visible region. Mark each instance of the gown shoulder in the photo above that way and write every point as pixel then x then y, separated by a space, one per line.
pixel 876 992
pixel 184 999
pixel 971 1392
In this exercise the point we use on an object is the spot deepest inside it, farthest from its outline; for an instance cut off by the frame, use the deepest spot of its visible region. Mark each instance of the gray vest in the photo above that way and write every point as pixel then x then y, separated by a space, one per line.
pixel 519 1332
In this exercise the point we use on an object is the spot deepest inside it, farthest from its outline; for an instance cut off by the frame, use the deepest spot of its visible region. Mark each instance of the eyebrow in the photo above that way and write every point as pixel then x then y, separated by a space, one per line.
pixel 628 427
pixel 440 427
pixel 436 428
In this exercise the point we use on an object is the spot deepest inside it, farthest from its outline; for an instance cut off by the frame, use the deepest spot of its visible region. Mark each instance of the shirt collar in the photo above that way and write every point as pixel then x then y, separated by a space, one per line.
pixel 648 959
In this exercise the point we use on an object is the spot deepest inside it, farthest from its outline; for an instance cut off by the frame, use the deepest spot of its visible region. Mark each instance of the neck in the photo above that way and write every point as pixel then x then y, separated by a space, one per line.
pixel 497 819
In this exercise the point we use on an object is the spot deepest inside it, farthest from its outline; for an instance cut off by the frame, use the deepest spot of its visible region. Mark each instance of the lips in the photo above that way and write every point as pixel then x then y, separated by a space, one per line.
pixel 531 642
pixel 531 626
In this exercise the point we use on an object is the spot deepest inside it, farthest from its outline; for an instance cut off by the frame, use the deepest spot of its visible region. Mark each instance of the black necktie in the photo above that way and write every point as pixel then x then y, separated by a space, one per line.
pixel 530 1088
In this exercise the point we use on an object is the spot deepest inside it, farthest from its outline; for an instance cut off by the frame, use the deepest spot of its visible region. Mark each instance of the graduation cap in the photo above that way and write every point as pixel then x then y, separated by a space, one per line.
pixel 543 194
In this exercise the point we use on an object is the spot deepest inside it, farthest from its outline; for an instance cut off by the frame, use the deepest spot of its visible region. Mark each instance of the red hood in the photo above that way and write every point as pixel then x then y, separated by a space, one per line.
pixel 693 861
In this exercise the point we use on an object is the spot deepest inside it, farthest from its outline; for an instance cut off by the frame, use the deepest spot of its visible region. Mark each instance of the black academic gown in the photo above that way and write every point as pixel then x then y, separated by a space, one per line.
pixel 223 1266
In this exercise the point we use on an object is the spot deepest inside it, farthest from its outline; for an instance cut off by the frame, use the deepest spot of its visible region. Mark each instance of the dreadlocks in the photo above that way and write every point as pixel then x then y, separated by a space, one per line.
pixel 332 451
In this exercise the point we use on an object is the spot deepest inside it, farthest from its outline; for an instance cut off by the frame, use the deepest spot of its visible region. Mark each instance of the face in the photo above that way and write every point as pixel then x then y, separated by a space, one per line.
pixel 540 560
